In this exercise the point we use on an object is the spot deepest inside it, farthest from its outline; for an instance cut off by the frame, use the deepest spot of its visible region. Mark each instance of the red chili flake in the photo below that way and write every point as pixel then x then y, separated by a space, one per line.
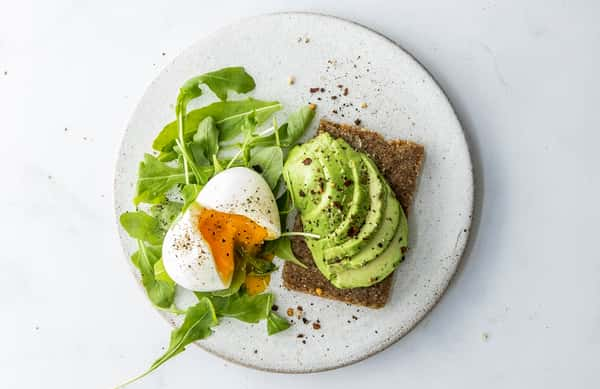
pixel 314 90
pixel 352 231
pixel 301 193
pixel 333 97
pixel 307 161
pixel 300 336
pixel 316 326
pixel 345 91
pixel 347 182
pixel 335 111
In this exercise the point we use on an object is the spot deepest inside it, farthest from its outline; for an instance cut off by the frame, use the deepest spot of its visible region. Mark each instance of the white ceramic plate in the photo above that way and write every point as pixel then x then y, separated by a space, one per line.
pixel 403 102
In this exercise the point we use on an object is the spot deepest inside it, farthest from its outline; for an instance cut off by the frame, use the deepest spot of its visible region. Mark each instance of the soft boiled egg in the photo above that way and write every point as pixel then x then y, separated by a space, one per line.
pixel 234 210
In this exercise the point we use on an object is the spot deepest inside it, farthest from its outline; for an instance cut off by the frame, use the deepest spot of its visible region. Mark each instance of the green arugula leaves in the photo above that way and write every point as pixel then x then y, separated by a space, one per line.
pixel 297 123
pixel 206 141
pixel 145 228
pixel 243 307
pixel 260 266
pixel 250 309
pixel 141 226
pixel 191 150
pixel 227 79
pixel 196 326
pixel 276 323
pixel 161 292
pixel 189 193
pixel 282 248
pixel 268 161
pixel 229 117
pixel 155 178
pixel 165 213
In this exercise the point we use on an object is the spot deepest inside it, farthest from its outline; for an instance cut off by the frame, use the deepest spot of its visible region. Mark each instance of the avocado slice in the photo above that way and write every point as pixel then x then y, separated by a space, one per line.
pixel 309 182
pixel 301 178
pixel 317 174
pixel 355 206
pixel 380 267
pixel 379 241
pixel 378 204
pixel 336 199
pixel 359 202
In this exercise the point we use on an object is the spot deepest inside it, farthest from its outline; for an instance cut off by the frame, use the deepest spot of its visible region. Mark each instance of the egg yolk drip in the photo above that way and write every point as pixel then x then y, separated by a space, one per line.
pixel 224 232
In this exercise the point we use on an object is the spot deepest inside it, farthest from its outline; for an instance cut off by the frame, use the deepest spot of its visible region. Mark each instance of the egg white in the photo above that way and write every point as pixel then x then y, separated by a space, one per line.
pixel 242 191
pixel 187 257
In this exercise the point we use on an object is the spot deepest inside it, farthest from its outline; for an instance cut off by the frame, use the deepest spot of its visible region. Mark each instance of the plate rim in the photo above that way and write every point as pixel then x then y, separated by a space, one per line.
pixel 458 249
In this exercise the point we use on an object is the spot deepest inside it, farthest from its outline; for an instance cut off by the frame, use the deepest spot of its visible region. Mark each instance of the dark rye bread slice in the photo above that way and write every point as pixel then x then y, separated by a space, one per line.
pixel 400 163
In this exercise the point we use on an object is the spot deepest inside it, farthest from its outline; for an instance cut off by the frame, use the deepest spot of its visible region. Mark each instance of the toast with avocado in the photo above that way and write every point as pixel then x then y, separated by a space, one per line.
pixel 353 189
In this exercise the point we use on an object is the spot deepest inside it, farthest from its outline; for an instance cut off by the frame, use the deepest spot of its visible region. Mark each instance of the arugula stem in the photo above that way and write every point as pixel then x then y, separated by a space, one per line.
pixel 188 161
pixel 172 309
pixel 132 380
pixel 235 157
pixel 180 111
pixel 298 233
pixel 276 132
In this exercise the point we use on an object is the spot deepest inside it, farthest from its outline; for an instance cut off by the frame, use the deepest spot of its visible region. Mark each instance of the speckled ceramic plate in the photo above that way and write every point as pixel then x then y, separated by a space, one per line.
pixel 403 101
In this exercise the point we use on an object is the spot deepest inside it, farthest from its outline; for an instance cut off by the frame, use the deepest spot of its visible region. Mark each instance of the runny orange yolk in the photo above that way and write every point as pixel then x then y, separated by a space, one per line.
pixel 224 233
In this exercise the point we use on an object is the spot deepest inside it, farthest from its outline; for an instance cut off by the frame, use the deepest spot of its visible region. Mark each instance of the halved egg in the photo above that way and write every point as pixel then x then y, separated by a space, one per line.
pixel 235 210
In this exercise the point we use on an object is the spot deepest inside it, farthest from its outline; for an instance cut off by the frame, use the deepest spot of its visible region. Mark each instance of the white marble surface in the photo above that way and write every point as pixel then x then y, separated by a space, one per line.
pixel 523 78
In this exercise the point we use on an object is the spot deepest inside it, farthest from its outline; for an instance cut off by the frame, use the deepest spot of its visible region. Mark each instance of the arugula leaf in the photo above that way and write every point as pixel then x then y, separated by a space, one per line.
pixel 243 307
pixel 196 326
pixel 260 266
pixel 223 80
pixel 288 133
pixel 276 323
pixel 198 154
pixel 282 248
pixel 166 212
pixel 218 166
pixel 268 161
pixel 167 156
pixel 139 225
pixel 160 291
pixel 228 115
pixel 155 178
pixel 189 194
pixel 296 125
pixel 160 273
pixel 152 252
pixel 206 140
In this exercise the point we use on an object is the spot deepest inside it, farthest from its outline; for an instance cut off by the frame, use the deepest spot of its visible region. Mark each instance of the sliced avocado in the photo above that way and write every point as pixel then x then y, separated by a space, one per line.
pixel 359 202
pixel 355 205
pixel 379 241
pixel 341 196
pixel 380 267
pixel 300 177
pixel 378 197
pixel 325 216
